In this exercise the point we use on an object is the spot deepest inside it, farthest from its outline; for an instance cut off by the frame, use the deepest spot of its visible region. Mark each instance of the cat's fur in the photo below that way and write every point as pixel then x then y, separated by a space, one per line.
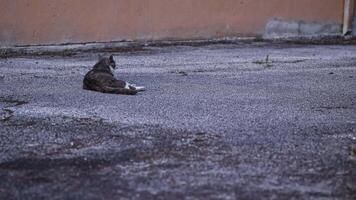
pixel 101 79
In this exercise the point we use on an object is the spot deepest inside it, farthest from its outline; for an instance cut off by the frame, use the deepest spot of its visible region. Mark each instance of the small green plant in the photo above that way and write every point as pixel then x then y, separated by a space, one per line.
pixel 266 62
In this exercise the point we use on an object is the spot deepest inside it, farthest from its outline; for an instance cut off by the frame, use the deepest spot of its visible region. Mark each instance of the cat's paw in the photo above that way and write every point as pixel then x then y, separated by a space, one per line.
pixel 137 88
pixel 140 88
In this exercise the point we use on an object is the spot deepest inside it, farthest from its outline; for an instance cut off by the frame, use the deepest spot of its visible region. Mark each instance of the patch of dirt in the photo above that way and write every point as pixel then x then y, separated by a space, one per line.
pixel 83 163
pixel 14 102
pixel 326 40
pixel 13 52
pixel 6 114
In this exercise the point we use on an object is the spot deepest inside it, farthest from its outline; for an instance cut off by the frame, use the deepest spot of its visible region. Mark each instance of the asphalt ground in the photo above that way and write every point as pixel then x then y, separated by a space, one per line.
pixel 221 121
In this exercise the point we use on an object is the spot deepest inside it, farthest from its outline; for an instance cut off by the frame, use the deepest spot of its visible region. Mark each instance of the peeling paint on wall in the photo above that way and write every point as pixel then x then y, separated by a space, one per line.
pixel 277 28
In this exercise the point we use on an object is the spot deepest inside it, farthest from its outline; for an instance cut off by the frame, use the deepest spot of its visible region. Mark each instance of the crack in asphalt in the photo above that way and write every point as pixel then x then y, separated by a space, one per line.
pixel 7 106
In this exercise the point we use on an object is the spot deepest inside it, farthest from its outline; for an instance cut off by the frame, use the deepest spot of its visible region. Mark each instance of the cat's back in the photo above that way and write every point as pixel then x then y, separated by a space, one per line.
pixel 97 75
pixel 96 78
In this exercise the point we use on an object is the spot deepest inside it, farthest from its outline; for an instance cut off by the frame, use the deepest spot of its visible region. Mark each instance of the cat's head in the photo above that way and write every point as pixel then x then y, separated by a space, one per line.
pixel 107 62
pixel 111 62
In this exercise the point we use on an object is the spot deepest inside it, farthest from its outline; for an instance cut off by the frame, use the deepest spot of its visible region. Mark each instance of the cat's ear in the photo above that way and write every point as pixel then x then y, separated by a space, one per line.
pixel 111 58
pixel 100 57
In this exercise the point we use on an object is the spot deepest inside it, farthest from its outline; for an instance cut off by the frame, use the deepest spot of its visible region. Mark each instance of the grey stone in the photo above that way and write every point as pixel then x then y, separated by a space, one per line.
pixel 279 28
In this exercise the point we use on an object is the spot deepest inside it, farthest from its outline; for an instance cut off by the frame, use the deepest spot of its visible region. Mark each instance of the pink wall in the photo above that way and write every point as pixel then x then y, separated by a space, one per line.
pixel 25 22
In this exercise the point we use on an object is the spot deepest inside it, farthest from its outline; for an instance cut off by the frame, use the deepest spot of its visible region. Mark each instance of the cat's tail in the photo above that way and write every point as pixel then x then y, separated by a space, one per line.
pixel 125 91
pixel 119 91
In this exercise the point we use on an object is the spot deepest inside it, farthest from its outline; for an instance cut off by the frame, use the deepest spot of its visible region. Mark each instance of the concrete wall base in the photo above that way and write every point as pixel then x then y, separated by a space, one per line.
pixel 130 46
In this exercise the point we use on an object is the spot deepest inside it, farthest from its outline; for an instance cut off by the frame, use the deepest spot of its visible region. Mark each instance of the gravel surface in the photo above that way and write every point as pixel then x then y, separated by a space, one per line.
pixel 253 121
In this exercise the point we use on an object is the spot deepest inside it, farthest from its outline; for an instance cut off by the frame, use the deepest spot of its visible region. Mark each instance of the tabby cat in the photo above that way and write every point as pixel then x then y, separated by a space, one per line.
pixel 101 79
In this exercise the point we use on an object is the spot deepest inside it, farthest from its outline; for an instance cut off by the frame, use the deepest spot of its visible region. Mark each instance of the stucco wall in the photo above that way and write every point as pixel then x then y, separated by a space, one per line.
pixel 25 22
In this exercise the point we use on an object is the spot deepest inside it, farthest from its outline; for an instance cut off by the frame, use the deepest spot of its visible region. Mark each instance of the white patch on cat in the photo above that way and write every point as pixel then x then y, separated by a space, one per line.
pixel 127 85
pixel 111 69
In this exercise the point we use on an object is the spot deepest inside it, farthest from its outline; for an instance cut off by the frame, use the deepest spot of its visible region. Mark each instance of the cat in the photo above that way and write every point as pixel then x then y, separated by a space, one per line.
pixel 101 79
